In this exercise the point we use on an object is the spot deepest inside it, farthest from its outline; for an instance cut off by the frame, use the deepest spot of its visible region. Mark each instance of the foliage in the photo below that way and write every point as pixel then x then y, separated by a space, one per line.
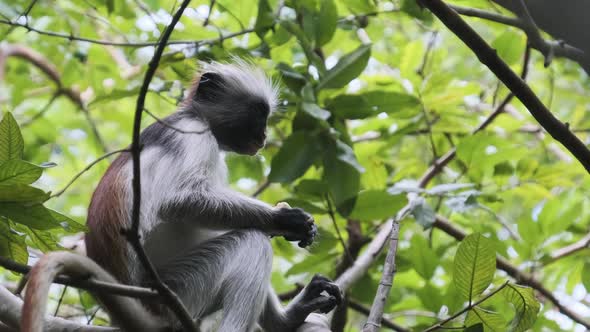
pixel 373 92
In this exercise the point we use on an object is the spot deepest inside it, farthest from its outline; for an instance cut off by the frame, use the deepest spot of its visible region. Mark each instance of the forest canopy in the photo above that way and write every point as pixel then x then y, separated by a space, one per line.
pixel 441 146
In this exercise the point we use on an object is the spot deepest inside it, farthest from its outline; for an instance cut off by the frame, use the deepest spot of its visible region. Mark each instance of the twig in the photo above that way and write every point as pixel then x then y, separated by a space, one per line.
pixel 167 125
pixel 87 284
pixel 132 233
pixel 88 167
pixel 358 307
pixel 42 111
pixel 261 188
pixel 389 268
pixel 211 5
pixel 571 249
pixel 61 297
pixel 338 233
pixel 440 324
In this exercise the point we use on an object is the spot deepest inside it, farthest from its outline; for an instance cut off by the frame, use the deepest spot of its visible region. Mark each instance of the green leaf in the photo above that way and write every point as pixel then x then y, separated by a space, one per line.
pixel 423 213
pixel 292 78
pixel 326 22
pixel 305 205
pixel 312 263
pixel 33 215
pixel 19 171
pixel 348 67
pixel 475 328
pixel 377 205
pixel 12 245
pixel 296 155
pixel 509 45
pixel 371 103
pixel 343 181
pixel 425 259
pixel 475 265
pixel 113 96
pixel 311 187
pixel 265 18
pixel 11 140
pixel 489 321
pixel 22 193
pixel 315 111
pixel 412 8
pixel 110 4
pixel 345 154
pixel 67 223
pixel 526 306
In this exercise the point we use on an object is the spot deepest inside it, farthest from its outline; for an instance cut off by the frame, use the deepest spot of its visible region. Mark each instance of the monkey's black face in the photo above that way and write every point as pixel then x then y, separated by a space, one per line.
pixel 237 118
pixel 244 131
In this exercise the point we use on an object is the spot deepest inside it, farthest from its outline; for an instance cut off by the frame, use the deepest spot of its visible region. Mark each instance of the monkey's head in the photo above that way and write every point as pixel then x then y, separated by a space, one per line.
pixel 235 100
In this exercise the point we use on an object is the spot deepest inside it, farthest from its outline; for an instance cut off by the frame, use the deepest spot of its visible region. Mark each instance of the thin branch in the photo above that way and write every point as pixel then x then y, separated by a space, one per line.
pixel 85 169
pixel 261 188
pixel 440 324
pixel 571 249
pixel 338 233
pixel 61 298
pixel 211 5
pixel 513 271
pixel 167 125
pixel 358 307
pixel 42 111
pixel 87 284
pixel 389 269
pixel 132 233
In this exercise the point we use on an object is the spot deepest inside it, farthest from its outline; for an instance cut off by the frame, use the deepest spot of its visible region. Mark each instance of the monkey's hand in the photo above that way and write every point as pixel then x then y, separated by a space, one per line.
pixel 295 225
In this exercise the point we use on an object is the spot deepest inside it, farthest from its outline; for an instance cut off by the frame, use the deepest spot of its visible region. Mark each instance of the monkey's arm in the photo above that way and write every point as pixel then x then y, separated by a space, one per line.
pixel 223 208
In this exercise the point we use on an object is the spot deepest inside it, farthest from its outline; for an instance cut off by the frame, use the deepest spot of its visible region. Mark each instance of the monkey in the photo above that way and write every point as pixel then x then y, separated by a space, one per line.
pixel 209 243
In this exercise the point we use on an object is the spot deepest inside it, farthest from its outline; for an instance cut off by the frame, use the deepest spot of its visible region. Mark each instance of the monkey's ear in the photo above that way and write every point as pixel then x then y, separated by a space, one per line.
pixel 209 86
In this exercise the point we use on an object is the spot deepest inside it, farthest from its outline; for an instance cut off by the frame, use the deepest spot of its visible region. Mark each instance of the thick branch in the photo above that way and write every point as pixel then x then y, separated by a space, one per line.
pixel 521 90
pixel 549 49
pixel 358 307
pixel 132 233
pixel 11 311
pixel 91 285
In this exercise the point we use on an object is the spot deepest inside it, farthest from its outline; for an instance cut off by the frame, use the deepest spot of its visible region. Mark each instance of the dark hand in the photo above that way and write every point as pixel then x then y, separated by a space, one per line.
pixel 295 225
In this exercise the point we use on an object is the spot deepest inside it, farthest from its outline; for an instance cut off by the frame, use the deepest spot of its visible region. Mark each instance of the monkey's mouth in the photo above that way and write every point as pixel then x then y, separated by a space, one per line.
pixel 253 147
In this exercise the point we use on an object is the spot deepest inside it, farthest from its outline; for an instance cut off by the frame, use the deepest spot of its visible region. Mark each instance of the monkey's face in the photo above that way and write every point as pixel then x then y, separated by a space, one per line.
pixel 244 131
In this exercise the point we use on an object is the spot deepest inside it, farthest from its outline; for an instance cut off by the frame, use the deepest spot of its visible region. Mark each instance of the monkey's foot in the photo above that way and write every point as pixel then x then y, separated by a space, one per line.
pixel 321 294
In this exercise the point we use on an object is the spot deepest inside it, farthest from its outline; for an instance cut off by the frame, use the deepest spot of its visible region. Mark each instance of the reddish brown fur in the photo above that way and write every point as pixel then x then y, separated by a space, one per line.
pixel 107 215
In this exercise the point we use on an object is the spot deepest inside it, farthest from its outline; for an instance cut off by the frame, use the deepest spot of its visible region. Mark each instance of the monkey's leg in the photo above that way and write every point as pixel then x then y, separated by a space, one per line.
pixel 231 272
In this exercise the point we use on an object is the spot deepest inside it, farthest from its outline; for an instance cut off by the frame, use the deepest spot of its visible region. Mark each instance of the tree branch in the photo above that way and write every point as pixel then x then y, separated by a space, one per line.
pixel 521 90
pixel 549 49
pixel 389 268
pixel 87 284
pixel 358 307
pixel 132 234
pixel 89 166
pixel 11 311
pixel 39 61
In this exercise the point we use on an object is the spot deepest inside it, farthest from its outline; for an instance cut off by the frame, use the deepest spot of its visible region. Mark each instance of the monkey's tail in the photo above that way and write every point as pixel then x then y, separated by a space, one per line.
pixel 127 312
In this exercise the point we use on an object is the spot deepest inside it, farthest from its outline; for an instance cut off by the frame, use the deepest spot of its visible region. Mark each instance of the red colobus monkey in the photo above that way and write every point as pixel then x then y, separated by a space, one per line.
pixel 209 243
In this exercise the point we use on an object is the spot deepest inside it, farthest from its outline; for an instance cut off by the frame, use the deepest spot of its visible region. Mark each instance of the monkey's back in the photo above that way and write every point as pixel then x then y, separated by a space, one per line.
pixel 107 213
